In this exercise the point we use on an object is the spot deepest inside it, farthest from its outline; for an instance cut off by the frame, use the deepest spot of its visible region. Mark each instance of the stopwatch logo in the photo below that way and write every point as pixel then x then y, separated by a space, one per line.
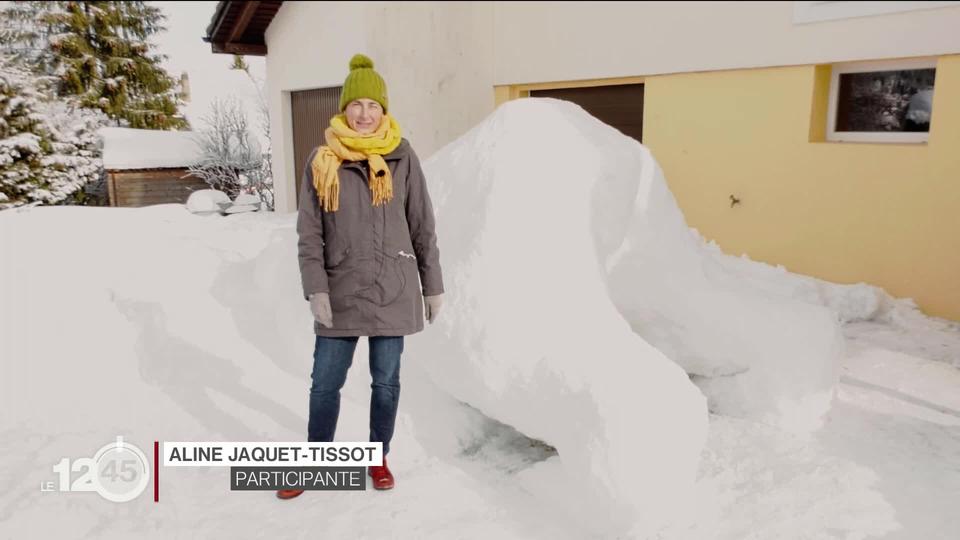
pixel 119 472
pixel 122 471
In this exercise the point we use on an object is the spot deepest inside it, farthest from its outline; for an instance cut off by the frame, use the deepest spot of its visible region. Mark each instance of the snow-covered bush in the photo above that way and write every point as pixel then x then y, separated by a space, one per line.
pixel 49 150
pixel 208 201
pixel 233 161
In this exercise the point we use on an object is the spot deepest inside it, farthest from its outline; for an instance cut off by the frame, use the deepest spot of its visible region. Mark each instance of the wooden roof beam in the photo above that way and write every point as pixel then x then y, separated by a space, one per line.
pixel 249 9
pixel 239 48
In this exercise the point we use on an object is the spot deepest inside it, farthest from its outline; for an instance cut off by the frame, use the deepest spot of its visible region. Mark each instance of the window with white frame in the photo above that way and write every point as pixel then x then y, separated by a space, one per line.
pixel 881 101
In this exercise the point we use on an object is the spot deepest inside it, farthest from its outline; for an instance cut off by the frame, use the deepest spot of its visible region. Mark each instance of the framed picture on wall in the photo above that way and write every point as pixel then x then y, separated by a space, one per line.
pixel 882 101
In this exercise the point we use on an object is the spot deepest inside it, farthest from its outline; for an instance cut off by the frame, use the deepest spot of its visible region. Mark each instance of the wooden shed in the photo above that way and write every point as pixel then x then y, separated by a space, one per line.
pixel 146 167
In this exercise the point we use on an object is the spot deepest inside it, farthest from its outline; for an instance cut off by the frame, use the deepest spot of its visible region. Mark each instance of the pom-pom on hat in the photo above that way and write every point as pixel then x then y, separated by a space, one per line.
pixel 363 82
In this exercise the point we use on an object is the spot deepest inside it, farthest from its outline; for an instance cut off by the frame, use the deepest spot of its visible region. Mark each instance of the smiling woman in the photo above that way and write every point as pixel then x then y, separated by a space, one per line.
pixel 363 115
pixel 364 97
pixel 366 235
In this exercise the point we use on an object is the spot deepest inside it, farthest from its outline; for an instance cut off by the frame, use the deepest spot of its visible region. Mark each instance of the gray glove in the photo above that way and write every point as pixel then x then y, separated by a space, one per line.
pixel 320 307
pixel 431 306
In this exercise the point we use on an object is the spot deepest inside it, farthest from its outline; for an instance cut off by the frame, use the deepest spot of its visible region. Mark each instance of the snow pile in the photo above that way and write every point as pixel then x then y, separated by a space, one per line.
pixel 755 352
pixel 864 309
pixel 539 206
pixel 103 336
pixel 214 201
pixel 128 148
pixel 850 303
pixel 531 337
pixel 245 202
pixel 193 330
pixel 208 201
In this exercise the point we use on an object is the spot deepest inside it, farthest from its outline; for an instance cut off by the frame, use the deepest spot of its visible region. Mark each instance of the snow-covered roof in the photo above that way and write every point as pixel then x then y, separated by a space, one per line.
pixel 127 148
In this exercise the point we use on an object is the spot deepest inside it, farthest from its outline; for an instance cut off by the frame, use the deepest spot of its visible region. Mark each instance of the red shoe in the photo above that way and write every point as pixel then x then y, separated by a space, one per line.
pixel 382 477
pixel 288 493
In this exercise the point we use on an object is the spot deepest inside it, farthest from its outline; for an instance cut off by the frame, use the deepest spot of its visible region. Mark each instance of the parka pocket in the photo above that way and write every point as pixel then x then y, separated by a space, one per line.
pixel 392 280
pixel 336 257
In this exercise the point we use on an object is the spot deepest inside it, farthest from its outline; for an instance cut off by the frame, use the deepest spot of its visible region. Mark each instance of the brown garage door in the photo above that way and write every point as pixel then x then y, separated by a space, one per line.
pixel 312 111
pixel 620 106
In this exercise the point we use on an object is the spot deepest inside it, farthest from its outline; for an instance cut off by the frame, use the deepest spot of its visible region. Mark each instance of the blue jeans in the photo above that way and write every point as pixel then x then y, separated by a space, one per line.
pixel 332 357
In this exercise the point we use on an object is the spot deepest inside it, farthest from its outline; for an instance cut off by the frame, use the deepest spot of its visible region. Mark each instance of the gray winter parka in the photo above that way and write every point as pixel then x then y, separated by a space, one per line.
pixel 369 259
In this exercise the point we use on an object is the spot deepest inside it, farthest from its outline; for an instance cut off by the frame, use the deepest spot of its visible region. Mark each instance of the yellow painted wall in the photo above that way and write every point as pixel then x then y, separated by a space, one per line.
pixel 885 214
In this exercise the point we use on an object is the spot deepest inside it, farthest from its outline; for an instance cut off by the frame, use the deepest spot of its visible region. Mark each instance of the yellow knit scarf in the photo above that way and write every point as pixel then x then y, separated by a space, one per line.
pixel 345 144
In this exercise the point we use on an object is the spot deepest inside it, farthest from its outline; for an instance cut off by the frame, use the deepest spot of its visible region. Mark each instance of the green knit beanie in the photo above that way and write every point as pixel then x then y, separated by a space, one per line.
pixel 363 82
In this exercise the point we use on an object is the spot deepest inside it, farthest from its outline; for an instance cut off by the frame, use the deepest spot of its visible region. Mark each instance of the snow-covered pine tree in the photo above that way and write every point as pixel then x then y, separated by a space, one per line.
pixel 48 150
pixel 25 31
pixel 101 54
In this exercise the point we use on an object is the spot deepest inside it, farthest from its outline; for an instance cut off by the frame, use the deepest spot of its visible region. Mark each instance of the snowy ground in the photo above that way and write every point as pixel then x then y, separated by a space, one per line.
pixel 885 464
pixel 176 333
